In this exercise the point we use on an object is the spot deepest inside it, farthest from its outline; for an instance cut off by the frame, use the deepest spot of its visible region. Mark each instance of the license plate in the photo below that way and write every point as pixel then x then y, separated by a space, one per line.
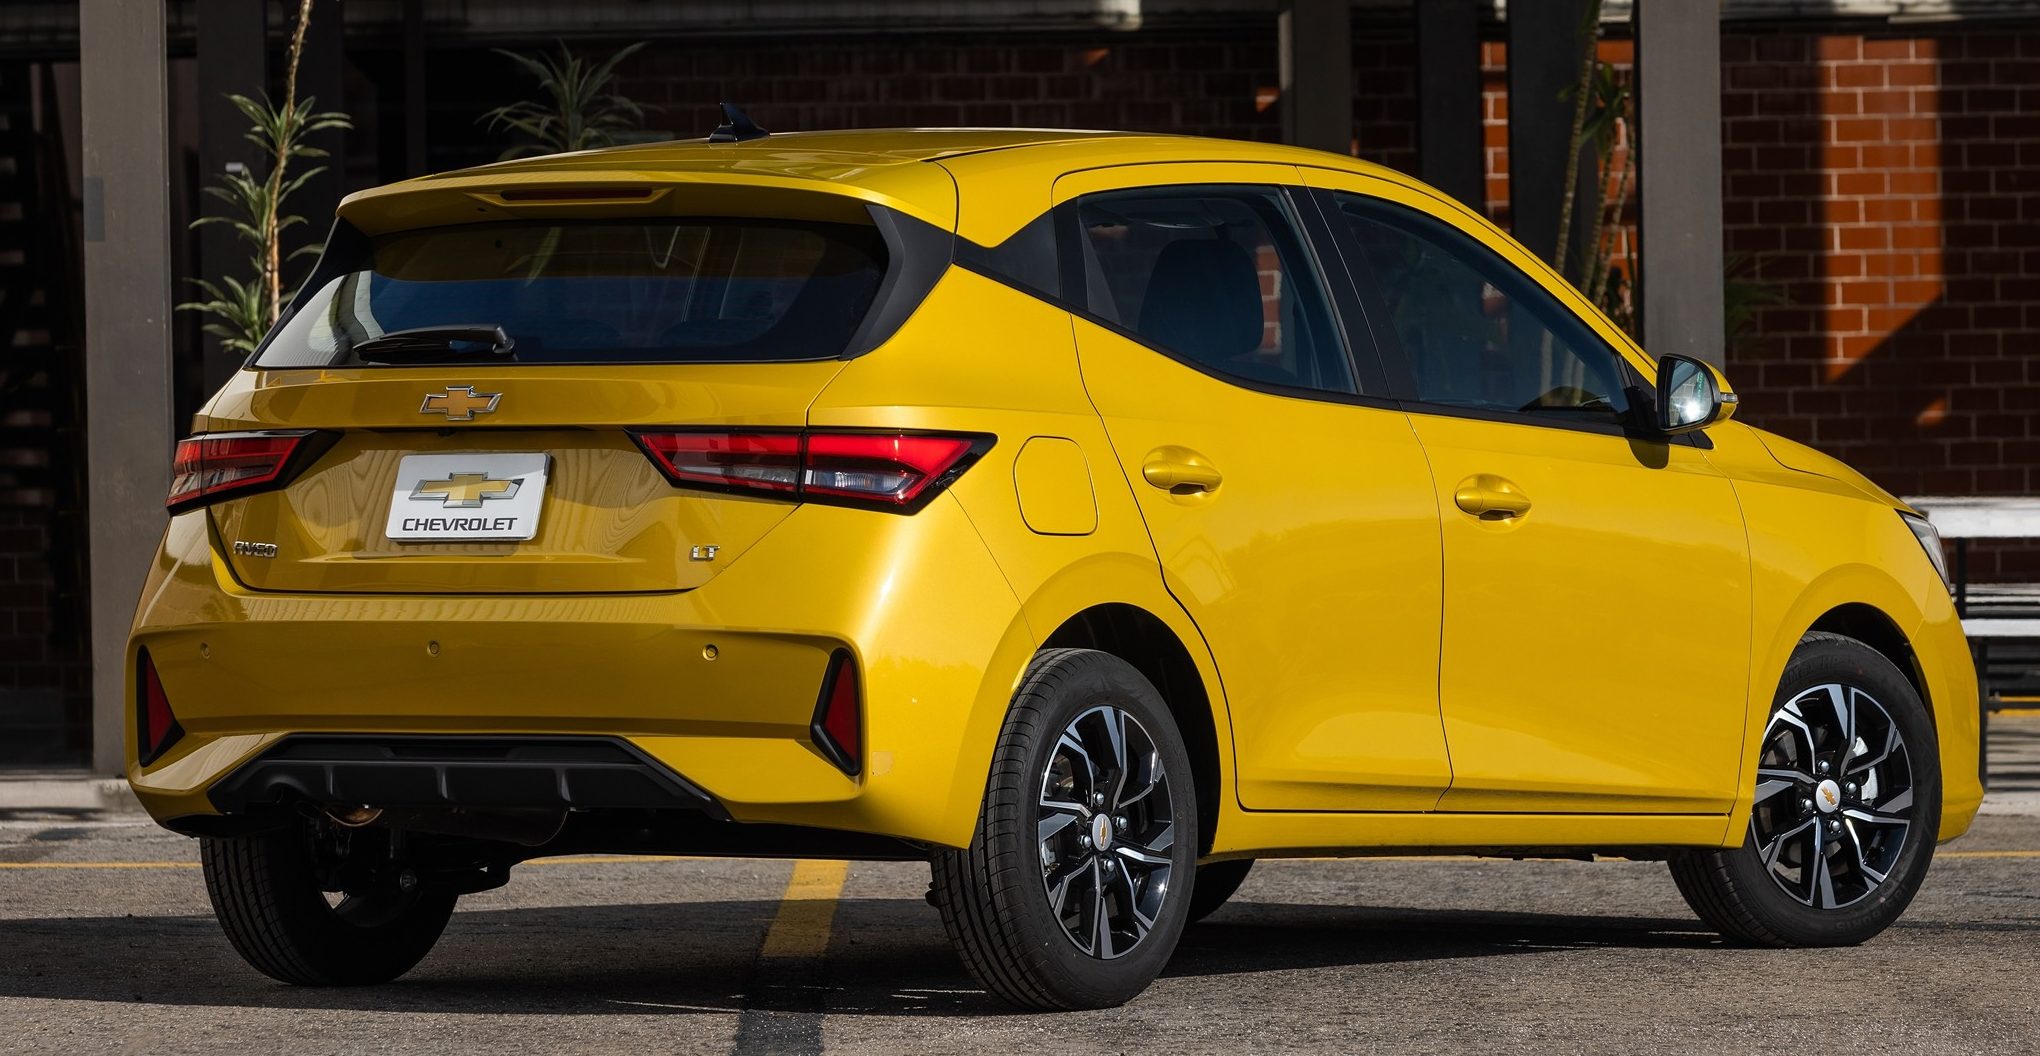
pixel 492 497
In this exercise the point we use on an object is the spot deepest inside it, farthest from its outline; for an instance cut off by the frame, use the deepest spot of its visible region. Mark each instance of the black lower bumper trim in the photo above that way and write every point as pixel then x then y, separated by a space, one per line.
pixel 518 773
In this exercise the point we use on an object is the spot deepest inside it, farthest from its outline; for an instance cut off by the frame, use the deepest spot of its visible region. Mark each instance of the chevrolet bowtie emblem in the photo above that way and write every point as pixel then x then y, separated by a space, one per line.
pixel 465 491
pixel 460 403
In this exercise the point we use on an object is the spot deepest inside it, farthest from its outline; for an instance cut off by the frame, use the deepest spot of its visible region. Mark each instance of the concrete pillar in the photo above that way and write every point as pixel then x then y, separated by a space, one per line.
pixel 1449 144
pixel 233 50
pixel 1678 99
pixel 1544 65
pixel 125 123
pixel 1316 44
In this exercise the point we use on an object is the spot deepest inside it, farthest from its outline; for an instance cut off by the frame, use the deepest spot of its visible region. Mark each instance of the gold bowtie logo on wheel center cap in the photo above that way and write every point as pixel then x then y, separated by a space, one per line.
pixel 1828 796
pixel 1101 832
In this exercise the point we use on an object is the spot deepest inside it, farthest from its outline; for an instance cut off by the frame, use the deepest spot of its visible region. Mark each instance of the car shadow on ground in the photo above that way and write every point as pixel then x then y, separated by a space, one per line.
pixel 888 957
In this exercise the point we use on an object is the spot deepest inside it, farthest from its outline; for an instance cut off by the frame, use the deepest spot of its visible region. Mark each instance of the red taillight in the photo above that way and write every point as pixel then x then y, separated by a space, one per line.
pixel 728 461
pixel 156 726
pixel 208 468
pixel 838 724
pixel 892 471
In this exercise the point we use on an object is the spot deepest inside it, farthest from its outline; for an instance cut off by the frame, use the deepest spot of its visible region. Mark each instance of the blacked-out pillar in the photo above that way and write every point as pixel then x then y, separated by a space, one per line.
pixel 1678 82
pixel 1544 64
pixel 1449 134
pixel 1316 38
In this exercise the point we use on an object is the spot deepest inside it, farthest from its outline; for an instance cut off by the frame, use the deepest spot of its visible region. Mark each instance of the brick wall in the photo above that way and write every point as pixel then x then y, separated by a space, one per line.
pixel 43 677
pixel 1887 184
pixel 1216 83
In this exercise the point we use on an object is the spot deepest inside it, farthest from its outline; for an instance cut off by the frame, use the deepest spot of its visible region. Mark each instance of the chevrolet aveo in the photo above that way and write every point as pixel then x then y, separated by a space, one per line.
pixel 1086 514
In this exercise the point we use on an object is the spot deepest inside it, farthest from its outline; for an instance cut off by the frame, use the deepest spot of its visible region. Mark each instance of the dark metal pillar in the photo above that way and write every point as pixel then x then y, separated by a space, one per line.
pixel 232 60
pixel 1316 38
pixel 1678 100
pixel 1544 64
pixel 415 161
pixel 320 74
pixel 1449 143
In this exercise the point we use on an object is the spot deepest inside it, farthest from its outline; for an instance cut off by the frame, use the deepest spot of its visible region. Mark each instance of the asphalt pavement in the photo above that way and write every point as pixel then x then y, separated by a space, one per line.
pixel 107 945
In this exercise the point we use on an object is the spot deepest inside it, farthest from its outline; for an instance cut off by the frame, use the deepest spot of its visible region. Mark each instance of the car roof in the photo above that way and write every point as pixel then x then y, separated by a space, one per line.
pixel 890 166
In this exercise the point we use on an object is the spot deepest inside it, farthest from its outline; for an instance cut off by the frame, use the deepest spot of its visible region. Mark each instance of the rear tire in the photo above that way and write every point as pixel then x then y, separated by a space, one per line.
pixel 1216 883
pixel 267 893
pixel 1081 874
pixel 1847 810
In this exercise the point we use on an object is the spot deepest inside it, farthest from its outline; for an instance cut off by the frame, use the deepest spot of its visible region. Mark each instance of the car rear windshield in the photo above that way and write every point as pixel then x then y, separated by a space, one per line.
pixel 643 291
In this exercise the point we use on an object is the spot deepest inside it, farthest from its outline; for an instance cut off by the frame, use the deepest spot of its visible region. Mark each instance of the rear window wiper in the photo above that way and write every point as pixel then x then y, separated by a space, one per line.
pixel 479 340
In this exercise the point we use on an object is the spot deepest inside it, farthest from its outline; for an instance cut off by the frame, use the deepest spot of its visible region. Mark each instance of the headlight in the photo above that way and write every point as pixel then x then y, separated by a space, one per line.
pixel 1930 541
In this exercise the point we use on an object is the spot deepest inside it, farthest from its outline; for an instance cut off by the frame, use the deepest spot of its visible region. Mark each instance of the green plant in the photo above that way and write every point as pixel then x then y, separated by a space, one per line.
pixel 1602 118
pixel 243 310
pixel 579 112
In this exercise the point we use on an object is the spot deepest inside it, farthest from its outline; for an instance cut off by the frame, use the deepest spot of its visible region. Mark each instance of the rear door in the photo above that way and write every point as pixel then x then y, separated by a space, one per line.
pixel 476 392
pixel 1288 501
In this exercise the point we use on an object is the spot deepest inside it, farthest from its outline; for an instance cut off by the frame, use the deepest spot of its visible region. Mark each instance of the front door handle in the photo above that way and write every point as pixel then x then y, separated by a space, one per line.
pixel 1490 497
pixel 1180 471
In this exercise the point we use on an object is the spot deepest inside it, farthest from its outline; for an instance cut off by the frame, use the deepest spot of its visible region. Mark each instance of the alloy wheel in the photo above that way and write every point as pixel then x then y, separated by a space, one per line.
pixel 1834 798
pixel 1105 831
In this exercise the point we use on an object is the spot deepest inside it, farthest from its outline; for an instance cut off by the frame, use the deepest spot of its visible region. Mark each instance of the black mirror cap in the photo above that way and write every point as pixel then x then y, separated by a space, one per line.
pixel 1675 415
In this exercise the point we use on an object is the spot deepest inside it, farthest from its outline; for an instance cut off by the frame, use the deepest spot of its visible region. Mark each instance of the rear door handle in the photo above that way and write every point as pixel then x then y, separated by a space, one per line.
pixel 1490 497
pixel 1180 471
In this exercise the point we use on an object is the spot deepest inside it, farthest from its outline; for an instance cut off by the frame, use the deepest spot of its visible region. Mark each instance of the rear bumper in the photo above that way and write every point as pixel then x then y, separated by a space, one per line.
pixel 718 684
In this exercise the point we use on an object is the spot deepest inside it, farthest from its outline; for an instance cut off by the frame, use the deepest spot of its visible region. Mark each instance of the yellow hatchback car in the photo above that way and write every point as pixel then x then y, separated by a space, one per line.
pixel 1087 514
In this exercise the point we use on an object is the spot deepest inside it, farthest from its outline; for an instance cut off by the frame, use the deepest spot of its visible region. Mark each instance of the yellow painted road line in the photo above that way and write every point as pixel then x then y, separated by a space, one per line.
pixel 1987 854
pixel 807 910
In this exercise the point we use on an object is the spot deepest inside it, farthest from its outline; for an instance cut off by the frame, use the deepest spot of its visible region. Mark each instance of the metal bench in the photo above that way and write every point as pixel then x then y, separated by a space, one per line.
pixel 2002 620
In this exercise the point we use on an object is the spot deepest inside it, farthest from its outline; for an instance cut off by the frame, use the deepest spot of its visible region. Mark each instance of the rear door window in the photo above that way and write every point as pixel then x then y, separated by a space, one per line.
pixel 1217 277
pixel 641 291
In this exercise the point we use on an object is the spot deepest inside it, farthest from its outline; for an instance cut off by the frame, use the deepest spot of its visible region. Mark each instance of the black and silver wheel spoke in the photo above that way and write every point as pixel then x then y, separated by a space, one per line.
pixel 1833 803
pixel 1105 832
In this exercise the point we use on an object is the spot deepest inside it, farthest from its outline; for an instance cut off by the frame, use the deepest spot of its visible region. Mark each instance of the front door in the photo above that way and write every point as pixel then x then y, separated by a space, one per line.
pixel 1594 655
pixel 1288 501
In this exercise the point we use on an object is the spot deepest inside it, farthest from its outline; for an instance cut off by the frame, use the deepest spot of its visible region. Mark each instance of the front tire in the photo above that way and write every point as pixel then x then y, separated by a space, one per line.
pixel 1847 808
pixel 1079 879
pixel 271 900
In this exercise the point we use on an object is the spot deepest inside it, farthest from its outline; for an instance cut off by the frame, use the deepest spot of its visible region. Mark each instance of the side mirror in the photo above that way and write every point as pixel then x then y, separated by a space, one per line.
pixel 1691 395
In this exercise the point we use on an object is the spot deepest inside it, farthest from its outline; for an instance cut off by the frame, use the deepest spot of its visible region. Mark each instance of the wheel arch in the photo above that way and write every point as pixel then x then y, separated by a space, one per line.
pixel 1146 641
pixel 1875 628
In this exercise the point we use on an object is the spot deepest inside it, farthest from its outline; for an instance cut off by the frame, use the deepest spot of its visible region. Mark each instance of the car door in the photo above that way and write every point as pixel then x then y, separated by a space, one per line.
pixel 1597 586
pixel 1288 500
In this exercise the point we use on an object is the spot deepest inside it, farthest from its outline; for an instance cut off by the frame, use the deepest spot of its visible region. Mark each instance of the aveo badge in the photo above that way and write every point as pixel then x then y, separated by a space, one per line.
pixel 494 497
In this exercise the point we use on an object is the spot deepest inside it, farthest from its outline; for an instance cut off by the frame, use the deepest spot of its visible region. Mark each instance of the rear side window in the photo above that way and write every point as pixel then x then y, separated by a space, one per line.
pixel 642 291
pixel 1216 276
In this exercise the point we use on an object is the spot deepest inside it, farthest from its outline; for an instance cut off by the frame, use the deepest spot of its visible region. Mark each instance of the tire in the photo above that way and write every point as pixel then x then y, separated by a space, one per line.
pixel 1217 882
pixel 268 897
pixel 995 897
pixel 1873 825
